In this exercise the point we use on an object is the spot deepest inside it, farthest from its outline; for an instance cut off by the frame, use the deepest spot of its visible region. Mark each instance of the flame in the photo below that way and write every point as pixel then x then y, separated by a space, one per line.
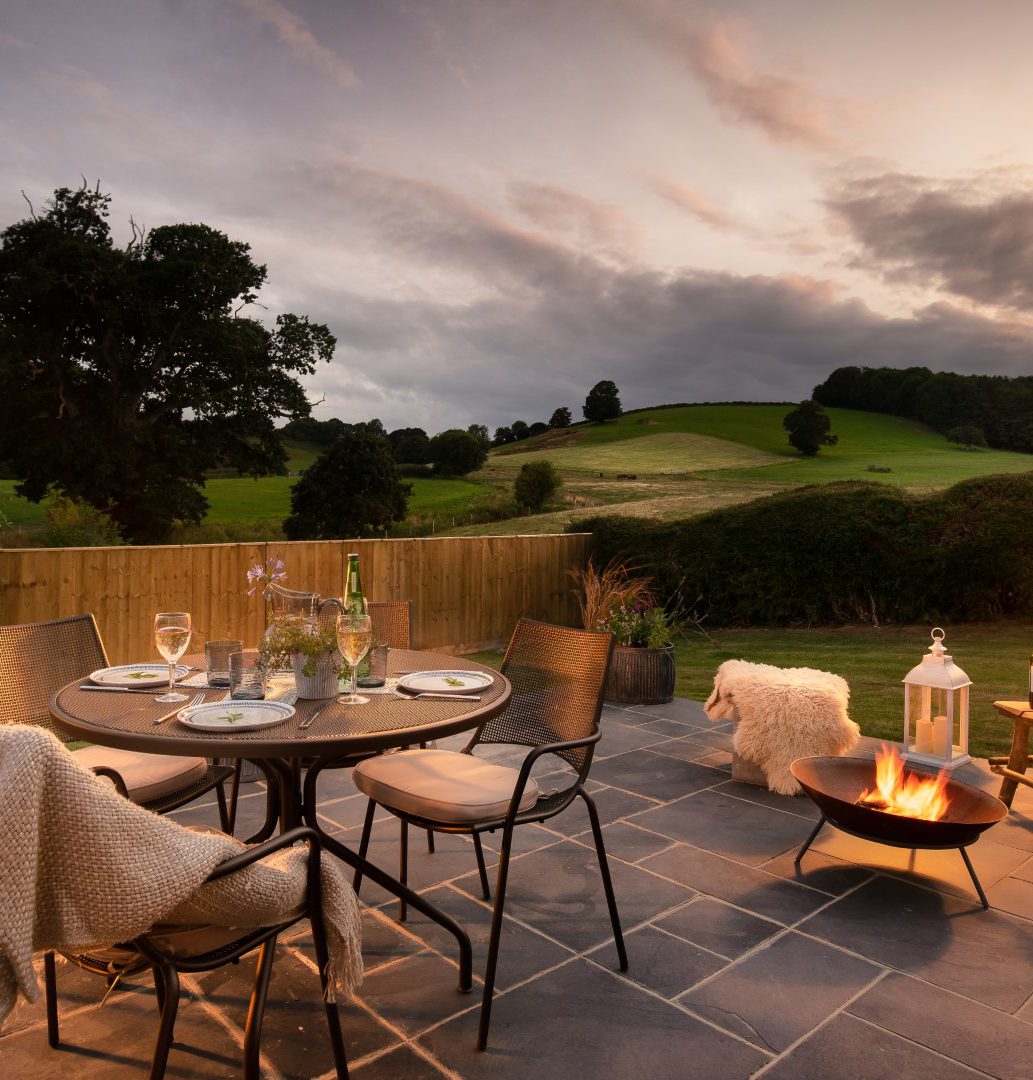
pixel 909 796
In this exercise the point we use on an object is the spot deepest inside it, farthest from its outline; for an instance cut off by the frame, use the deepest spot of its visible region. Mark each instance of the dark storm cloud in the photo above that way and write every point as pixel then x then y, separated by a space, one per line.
pixel 967 237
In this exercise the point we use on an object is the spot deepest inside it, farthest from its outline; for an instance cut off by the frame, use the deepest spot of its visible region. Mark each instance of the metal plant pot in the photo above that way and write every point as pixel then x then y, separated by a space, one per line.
pixel 640 676
pixel 322 684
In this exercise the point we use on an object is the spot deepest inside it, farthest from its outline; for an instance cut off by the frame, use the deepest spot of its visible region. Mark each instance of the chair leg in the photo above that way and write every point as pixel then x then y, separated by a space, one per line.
pixel 495 939
pixel 159 987
pixel 604 869
pixel 403 866
pixel 367 828
pixel 170 977
pixel 430 841
pixel 333 1017
pixel 50 989
pixel 481 869
pixel 256 1010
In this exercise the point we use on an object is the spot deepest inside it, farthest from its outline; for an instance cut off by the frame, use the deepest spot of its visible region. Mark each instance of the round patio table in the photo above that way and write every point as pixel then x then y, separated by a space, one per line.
pixel 338 733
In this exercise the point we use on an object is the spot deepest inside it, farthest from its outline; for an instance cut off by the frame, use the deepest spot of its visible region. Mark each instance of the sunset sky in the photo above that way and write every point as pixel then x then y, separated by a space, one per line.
pixel 496 203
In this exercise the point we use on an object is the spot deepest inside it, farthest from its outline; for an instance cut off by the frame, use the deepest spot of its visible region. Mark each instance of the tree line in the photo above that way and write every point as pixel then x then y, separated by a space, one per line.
pixel 998 407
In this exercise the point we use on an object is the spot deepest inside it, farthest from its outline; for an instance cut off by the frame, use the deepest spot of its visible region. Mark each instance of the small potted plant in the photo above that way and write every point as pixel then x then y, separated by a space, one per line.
pixel 310 650
pixel 642 671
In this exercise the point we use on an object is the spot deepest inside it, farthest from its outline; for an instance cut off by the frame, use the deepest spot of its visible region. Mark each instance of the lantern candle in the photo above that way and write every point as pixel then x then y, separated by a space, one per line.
pixel 941 736
pixel 924 736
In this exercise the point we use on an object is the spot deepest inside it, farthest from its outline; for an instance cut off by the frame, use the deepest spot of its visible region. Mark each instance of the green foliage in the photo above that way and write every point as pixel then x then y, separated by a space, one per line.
pixel 520 430
pixel 808 426
pixel 602 403
pixel 535 484
pixel 561 418
pixel 456 453
pixel 410 446
pixel 352 489
pixel 74 523
pixel 480 433
pixel 503 435
pixel 287 639
pixel 1001 407
pixel 843 552
pixel 968 436
pixel 648 628
pixel 126 373
pixel 537 428
pixel 308 429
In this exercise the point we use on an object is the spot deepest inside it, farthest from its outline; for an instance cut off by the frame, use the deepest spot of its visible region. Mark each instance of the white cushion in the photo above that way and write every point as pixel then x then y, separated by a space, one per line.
pixel 146 776
pixel 441 785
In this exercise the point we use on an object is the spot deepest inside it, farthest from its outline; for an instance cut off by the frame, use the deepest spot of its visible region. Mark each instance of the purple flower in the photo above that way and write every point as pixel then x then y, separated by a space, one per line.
pixel 264 576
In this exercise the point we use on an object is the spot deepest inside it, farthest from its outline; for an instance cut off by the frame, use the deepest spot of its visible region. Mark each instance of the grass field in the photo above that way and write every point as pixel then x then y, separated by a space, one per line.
pixel 873 662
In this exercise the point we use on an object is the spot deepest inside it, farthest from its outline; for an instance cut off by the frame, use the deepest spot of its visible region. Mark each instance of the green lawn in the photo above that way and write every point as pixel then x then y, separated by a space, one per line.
pixel 873 662
pixel 649 441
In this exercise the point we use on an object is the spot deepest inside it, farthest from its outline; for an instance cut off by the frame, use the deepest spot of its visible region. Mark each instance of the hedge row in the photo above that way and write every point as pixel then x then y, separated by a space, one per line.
pixel 844 552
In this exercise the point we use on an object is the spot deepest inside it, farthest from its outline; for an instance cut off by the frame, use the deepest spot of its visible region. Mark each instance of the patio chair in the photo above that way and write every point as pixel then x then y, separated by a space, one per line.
pixel 391 619
pixel 170 950
pixel 36 659
pixel 558 675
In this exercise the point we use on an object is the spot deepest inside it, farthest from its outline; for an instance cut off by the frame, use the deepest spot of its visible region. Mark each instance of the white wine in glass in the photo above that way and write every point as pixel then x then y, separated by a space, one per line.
pixel 172 636
pixel 354 637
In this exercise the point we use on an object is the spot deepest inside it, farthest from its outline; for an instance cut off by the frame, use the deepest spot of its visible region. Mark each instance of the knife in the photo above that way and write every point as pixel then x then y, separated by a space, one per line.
pixel 123 689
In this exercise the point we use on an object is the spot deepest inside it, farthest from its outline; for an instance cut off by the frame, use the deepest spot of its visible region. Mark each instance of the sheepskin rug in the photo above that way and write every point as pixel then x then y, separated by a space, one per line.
pixel 782 714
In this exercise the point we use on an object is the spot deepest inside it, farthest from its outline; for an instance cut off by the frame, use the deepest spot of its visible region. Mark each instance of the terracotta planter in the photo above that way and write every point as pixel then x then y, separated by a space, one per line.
pixel 322 684
pixel 641 676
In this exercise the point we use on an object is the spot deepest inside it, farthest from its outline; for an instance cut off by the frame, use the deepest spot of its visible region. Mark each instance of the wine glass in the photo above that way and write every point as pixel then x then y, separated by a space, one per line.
pixel 354 637
pixel 172 635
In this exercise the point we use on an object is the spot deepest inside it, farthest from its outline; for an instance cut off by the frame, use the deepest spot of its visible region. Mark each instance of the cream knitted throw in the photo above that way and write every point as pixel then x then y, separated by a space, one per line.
pixel 81 866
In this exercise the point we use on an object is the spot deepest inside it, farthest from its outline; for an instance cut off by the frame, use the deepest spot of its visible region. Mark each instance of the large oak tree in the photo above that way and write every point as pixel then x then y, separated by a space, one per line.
pixel 127 372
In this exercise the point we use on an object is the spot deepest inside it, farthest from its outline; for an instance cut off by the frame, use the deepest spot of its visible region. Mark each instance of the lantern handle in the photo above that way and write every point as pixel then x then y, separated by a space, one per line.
pixel 937 630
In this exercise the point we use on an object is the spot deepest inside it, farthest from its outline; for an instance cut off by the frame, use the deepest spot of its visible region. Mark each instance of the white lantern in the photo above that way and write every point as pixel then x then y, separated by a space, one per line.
pixel 936 709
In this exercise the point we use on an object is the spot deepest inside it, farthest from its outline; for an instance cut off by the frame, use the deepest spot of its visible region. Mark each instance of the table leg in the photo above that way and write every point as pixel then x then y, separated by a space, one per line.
pixel 272 802
pixel 385 881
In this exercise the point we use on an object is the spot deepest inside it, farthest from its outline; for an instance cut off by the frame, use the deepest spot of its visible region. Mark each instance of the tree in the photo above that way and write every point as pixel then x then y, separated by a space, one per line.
pixel 535 484
pixel 602 403
pixel 537 428
pixel 808 426
pixel 456 453
pixel 480 433
pixel 503 436
pixel 561 418
pixel 310 430
pixel 520 430
pixel 126 373
pixel 351 489
pixel 410 446
pixel 968 435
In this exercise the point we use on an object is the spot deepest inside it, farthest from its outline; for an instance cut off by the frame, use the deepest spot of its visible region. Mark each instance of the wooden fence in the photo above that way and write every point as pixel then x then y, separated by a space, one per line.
pixel 467 592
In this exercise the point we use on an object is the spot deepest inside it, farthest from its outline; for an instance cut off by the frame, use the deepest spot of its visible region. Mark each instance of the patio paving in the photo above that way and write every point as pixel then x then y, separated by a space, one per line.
pixel 865 964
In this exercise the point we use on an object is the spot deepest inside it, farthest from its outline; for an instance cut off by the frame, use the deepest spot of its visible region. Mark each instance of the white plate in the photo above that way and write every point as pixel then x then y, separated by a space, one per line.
pixel 230 715
pixel 445 682
pixel 137 675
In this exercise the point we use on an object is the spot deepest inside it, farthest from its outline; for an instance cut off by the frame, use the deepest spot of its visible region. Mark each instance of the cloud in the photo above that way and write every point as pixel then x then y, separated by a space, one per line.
pixel 294 32
pixel 972 237
pixel 602 227
pixel 781 105
pixel 693 202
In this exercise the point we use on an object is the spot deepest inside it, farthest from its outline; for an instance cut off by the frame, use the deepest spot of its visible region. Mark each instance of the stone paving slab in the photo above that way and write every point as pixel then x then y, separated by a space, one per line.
pixel 860 964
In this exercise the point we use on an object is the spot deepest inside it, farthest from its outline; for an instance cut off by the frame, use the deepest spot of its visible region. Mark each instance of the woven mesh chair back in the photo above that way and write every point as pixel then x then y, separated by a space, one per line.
pixel 391 619
pixel 558 675
pixel 38 658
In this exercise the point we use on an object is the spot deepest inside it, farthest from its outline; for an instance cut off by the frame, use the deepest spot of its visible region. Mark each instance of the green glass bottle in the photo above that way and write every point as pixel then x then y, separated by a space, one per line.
pixel 355 604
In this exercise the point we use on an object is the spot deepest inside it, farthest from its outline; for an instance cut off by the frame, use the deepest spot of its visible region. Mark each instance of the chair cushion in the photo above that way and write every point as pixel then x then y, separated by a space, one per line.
pixel 441 785
pixel 147 776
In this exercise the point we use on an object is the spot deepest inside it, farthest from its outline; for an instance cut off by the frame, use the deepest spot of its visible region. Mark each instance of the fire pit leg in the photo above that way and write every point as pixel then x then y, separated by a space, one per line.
pixel 814 836
pixel 975 880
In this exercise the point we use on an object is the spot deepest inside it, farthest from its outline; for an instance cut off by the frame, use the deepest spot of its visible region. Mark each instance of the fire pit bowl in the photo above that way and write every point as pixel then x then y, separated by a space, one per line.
pixel 836 783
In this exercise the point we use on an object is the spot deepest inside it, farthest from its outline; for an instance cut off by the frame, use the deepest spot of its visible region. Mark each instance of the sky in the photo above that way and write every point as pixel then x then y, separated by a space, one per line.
pixel 494 204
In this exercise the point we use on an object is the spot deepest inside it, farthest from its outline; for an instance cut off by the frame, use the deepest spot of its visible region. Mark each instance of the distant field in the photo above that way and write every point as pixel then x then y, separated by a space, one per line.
pixel 647 441
pixel 672 451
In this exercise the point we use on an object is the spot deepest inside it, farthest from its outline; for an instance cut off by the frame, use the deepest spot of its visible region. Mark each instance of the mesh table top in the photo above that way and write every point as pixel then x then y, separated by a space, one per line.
pixel 127 720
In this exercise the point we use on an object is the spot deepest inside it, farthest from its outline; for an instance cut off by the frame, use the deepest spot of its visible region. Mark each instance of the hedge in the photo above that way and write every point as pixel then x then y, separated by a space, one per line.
pixel 843 552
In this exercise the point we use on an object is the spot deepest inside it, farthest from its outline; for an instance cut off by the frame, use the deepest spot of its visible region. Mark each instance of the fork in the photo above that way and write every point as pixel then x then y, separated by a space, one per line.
pixel 432 694
pixel 197 699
